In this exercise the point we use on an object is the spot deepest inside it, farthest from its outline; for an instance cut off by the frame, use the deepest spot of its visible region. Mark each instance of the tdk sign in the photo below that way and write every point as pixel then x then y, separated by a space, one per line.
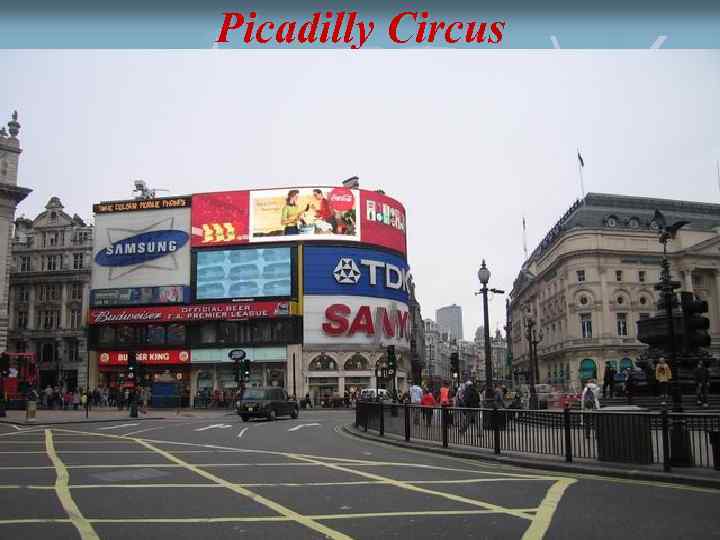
pixel 355 272
pixel 142 248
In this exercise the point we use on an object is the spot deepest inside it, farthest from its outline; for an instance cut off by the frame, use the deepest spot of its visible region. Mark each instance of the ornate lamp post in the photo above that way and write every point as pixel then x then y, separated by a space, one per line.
pixel 484 277
pixel 533 337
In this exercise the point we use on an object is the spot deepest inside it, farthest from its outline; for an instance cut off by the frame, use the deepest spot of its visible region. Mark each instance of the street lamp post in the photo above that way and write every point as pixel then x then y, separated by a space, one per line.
pixel 532 337
pixel 484 277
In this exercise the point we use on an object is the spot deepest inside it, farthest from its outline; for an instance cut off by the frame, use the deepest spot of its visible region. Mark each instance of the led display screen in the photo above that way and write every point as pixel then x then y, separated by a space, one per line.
pixel 243 273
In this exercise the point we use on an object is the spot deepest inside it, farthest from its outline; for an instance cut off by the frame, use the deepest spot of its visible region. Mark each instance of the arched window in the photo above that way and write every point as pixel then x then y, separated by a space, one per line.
pixel 357 362
pixel 323 363
pixel 626 363
pixel 588 369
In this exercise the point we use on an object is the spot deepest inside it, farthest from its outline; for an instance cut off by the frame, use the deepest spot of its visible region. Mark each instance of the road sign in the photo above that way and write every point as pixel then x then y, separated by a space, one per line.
pixel 237 355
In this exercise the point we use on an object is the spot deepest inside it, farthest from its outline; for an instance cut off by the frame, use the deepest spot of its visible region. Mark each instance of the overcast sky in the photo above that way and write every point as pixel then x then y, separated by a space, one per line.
pixel 469 141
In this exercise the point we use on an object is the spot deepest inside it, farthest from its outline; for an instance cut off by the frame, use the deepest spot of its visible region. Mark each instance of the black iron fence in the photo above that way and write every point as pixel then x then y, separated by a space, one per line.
pixel 661 438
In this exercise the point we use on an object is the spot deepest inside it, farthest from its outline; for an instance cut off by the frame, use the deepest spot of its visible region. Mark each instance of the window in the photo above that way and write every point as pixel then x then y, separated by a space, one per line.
pixel 106 335
pixel 125 335
pixel 644 316
pixel 618 275
pixel 154 334
pixel 581 275
pixel 48 319
pixel 622 328
pixel 620 300
pixel 356 362
pixel 52 239
pixel 75 318
pixel 22 294
pixel 22 320
pixel 53 216
pixel 586 325
pixel 78 261
pixel 176 334
pixel 49 292
pixel 76 290
pixel 73 350
pixel 52 263
pixel 25 264
pixel 643 300
pixel 323 363
pixel 641 276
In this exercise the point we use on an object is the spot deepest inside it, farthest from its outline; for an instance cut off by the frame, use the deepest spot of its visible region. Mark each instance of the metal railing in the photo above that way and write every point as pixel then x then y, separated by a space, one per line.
pixel 649 438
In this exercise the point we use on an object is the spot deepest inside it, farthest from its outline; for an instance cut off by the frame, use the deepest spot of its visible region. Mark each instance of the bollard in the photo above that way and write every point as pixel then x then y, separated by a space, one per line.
pixel 665 440
pixel 496 428
pixel 568 438
pixel 407 422
pixel 382 420
pixel 444 425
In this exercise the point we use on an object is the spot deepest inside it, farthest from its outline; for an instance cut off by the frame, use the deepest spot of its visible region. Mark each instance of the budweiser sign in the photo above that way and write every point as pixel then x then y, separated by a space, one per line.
pixel 197 312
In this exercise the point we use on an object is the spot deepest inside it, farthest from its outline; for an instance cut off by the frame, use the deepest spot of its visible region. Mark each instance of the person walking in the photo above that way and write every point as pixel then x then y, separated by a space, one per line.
pixel 472 401
pixel 445 394
pixel 608 380
pixel 589 401
pixel 428 403
pixel 702 380
pixel 663 374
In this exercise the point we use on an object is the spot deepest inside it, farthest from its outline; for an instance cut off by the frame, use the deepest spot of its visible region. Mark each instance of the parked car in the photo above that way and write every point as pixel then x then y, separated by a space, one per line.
pixel 266 403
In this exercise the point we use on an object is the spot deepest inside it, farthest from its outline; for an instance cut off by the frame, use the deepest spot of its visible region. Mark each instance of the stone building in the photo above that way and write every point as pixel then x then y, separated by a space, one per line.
pixel 49 288
pixel 10 195
pixel 437 358
pixel 592 278
pixel 417 339
pixel 498 348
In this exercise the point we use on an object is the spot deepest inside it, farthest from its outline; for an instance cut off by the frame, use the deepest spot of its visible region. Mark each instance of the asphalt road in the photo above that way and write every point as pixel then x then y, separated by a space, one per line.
pixel 294 479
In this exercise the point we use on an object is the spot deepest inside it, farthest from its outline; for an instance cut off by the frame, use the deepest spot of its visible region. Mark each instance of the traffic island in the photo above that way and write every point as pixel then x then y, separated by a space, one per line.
pixel 706 478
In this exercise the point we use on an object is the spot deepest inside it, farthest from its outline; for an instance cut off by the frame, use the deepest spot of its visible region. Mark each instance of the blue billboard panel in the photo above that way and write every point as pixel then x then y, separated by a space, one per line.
pixel 243 273
pixel 335 270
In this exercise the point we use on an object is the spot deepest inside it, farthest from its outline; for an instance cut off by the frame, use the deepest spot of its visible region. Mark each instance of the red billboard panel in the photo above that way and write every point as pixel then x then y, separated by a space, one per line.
pixel 161 358
pixel 382 221
pixel 220 219
pixel 234 311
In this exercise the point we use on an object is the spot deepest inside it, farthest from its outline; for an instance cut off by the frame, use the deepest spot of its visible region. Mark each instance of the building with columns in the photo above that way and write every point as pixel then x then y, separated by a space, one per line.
pixel 498 351
pixel 49 293
pixel 592 278
pixel 10 196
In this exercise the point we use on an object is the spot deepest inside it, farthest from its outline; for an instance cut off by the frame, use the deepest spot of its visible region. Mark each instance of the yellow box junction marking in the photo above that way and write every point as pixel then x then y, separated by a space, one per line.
pixel 63 492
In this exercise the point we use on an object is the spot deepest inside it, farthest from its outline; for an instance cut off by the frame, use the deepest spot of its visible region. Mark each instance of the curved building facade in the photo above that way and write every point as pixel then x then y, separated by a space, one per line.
pixel 312 283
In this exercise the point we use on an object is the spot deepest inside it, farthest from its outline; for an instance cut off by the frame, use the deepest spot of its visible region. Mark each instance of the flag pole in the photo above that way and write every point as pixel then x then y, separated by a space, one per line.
pixel 580 168
pixel 717 163
pixel 525 240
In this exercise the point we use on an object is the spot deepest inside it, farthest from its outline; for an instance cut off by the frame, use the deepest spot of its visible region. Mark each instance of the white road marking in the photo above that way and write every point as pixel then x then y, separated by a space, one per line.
pixel 242 432
pixel 117 427
pixel 214 426
pixel 299 426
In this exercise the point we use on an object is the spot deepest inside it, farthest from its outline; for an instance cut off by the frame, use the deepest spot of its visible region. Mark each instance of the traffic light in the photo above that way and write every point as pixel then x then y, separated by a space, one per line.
pixel 236 368
pixel 246 369
pixel 391 359
pixel 455 362
pixel 695 326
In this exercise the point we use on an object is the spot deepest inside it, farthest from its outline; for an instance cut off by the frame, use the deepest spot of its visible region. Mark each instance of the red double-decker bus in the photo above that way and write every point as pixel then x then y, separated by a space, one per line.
pixel 19 372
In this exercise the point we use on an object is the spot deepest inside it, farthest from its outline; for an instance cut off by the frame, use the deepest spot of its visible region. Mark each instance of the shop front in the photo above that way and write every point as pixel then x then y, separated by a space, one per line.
pixel 213 381
pixel 165 373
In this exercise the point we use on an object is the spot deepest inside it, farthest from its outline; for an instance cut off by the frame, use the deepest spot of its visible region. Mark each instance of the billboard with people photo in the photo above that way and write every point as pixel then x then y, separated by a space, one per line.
pixel 304 213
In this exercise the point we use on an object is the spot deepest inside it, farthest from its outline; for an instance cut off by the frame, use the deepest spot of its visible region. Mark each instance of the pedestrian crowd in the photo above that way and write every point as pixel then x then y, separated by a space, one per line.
pixel 57 398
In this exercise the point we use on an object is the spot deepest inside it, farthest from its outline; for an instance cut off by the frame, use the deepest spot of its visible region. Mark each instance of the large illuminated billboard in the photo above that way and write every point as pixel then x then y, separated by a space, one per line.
pixel 355 271
pixel 243 273
pixel 142 248
pixel 304 214
pixel 220 219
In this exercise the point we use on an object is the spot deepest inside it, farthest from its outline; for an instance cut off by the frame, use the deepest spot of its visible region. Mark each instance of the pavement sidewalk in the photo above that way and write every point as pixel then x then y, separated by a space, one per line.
pixel 697 476
pixel 44 416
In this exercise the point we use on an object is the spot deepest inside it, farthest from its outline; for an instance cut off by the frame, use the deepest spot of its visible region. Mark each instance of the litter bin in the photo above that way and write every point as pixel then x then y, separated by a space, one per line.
pixel 715 442
pixel 624 438
pixel 31 409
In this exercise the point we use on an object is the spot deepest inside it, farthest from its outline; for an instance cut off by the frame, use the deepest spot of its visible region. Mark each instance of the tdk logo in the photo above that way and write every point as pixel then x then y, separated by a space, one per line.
pixel 347 272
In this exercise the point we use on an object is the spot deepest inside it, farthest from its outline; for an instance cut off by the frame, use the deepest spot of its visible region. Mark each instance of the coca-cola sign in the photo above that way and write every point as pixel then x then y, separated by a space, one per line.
pixel 341 199
pixel 195 312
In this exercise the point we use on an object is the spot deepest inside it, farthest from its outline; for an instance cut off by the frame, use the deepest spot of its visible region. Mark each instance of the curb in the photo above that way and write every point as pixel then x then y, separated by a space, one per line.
pixel 573 468
pixel 89 421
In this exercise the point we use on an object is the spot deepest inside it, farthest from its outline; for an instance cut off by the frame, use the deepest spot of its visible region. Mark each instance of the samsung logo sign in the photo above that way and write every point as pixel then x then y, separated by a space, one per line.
pixel 142 248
